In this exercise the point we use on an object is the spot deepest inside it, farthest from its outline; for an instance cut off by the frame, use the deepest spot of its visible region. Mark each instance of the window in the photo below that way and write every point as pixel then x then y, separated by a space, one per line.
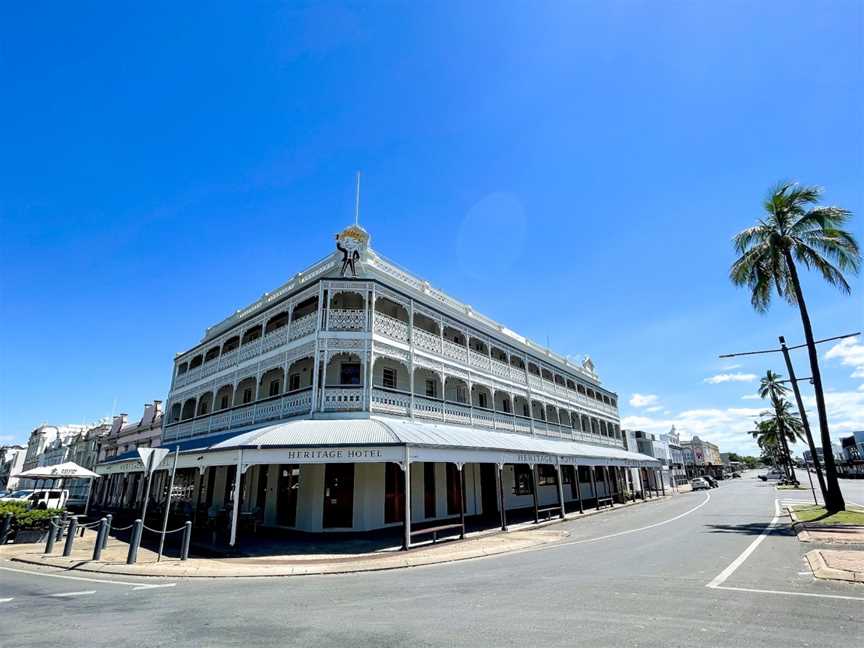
pixel 294 382
pixel 566 474
pixel 274 388
pixel 247 395
pixel 223 404
pixel 546 475
pixel 481 400
pixel 525 411
pixel 461 394
pixel 430 388
pixel 454 490
pixel 203 409
pixel 506 405
pixel 521 480
pixel 349 373
pixel 388 378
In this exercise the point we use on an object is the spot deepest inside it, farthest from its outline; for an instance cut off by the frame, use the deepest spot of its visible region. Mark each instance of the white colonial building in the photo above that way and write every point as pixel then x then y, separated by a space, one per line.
pixel 357 396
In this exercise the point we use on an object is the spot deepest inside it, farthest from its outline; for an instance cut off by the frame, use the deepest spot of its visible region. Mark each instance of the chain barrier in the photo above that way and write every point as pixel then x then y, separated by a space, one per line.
pixel 160 530
pixel 126 528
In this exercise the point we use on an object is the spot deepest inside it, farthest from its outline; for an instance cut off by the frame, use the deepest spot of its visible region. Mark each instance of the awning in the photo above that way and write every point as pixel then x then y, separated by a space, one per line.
pixel 382 439
pixel 68 470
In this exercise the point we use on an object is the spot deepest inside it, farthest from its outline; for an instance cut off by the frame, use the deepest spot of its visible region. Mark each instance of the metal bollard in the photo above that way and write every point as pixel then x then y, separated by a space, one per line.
pixel 108 518
pixel 187 537
pixel 70 536
pixel 60 526
pixel 52 535
pixel 137 529
pixel 100 539
pixel 5 527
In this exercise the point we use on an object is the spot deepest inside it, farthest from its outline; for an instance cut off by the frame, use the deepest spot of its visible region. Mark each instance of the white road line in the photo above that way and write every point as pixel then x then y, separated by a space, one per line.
pixel 136 586
pixel 612 535
pixel 6 600
pixel 64 594
pixel 720 578
pixel 808 594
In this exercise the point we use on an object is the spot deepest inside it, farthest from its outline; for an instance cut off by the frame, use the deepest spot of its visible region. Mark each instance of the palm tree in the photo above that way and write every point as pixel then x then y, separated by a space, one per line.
pixel 795 228
pixel 775 431
pixel 771 386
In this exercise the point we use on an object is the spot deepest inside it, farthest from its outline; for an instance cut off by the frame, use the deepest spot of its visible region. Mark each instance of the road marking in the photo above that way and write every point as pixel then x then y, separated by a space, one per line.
pixel 87 593
pixel 720 578
pixel 6 600
pixel 137 586
pixel 809 594
pixel 611 535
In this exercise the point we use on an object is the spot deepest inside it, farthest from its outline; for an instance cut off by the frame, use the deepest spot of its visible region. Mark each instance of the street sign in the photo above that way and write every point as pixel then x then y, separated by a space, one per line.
pixel 151 458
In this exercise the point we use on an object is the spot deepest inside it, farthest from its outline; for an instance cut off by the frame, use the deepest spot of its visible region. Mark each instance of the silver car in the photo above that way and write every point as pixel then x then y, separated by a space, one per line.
pixel 699 484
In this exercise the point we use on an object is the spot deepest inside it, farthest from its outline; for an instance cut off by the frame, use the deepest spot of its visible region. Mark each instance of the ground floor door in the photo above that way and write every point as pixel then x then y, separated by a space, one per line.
pixel 287 486
pixel 338 496
pixel 488 490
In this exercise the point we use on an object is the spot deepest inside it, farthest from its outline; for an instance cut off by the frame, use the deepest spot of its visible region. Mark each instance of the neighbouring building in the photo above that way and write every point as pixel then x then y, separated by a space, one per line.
pixel 84 450
pixel 124 436
pixel 676 455
pixel 11 463
pixel 852 462
pixel 657 446
pixel 358 397
pixel 701 457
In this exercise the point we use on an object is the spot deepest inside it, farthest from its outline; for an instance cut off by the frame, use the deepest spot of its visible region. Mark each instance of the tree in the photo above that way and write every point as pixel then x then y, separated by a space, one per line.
pixel 772 387
pixel 794 228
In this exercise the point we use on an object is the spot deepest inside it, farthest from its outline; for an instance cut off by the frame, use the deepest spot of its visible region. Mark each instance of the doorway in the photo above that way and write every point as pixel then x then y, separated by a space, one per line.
pixel 286 497
pixel 489 490
pixel 338 496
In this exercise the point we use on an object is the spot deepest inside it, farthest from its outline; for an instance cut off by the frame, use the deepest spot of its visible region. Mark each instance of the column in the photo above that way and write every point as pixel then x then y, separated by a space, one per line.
pixel 459 467
pixel 578 488
pixel 560 490
pixel 499 469
pixel 406 468
pixel 592 470
pixel 534 491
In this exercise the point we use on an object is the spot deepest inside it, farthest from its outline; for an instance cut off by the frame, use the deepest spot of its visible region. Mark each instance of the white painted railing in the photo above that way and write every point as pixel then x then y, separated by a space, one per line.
pixel 390 327
pixel 426 341
pixel 303 326
pixel 384 400
pixel 342 399
pixel 341 319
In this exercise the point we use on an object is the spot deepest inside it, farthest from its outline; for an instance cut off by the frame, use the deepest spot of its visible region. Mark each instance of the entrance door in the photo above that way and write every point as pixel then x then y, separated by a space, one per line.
pixel 488 490
pixel 286 496
pixel 338 496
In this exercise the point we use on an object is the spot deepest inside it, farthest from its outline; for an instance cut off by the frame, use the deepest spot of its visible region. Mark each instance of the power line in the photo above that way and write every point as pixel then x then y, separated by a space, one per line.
pixel 800 346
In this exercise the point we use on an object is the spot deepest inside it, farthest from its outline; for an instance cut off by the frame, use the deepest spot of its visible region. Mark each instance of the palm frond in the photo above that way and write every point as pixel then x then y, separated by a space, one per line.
pixel 812 259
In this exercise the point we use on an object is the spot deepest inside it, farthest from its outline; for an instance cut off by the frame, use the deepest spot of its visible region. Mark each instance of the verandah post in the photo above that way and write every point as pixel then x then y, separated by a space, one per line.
pixel 499 469
pixel 460 467
pixel 560 490
pixel 593 470
pixel 406 527
pixel 578 488
pixel 533 468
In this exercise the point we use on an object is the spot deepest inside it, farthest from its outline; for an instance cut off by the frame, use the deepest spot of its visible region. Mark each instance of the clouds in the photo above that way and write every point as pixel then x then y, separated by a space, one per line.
pixel 730 377
pixel 643 400
pixel 751 397
pixel 850 353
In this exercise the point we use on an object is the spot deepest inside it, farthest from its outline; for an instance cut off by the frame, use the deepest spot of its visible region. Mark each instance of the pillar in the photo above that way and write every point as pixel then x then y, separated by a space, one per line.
pixel 501 499
pixel 534 491
pixel 560 490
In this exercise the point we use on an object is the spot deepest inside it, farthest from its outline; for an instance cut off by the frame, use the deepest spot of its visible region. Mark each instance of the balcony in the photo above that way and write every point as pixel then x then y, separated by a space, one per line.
pixel 341 319
pixel 398 403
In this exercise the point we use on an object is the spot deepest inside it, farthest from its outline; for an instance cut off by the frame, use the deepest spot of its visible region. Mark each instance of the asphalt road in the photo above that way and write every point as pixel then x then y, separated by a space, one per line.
pixel 633 577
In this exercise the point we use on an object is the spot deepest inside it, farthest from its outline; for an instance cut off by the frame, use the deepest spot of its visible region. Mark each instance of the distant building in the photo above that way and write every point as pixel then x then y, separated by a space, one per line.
pixel 836 451
pixel 11 463
pixel 83 450
pixel 124 437
pixel 701 457
pixel 852 461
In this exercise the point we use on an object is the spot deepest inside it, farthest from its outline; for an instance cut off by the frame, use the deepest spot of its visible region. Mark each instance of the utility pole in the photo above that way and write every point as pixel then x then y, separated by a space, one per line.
pixel 816 464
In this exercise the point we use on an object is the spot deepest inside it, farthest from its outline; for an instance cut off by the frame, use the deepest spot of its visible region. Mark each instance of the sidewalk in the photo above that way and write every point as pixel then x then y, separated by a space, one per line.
pixel 475 545
pixel 833 564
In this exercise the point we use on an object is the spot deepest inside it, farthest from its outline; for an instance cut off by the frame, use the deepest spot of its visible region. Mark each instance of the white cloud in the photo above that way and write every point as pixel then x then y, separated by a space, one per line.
pixel 751 397
pixel 643 400
pixel 730 367
pixel 851 354
pixel 656 408
pixel 730 377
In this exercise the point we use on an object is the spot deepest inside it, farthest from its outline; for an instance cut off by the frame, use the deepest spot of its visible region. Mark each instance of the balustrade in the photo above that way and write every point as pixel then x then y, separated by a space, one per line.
pixel 428 408
pixel 393 402
pixel 303 326
pixel 340 319
pixel 426 341
pixel 478 360
pixel 274 339
pixel 249 350
pixel 458 413
pixel 500 369
pixel 342 399
pixel 228 359
pixel 455 351
pixel 484 417
pixel 391 327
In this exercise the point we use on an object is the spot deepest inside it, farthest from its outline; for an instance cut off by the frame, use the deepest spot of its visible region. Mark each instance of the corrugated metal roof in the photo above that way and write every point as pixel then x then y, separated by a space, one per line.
pixel 395 431
pixel 449 436
pixel 187 445
pixel 314 432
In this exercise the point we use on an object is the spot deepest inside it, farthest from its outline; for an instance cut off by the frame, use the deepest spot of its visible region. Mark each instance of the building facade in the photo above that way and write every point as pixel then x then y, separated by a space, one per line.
pixel 701 458
pixel 11 463
pixel 124 436
pixel 357 397
pixel 852 463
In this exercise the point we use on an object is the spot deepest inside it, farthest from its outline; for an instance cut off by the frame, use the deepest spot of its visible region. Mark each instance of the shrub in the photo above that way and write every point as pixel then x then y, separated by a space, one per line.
pixel 26 519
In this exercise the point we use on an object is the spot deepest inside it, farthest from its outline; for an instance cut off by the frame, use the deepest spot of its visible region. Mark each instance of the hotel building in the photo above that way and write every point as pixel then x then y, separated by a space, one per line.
pixel 357 396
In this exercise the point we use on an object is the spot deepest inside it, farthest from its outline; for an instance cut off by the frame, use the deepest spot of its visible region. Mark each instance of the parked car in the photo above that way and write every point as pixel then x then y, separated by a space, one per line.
pixel 699 484
pixel 772 475
pixel 711 481
pixel 39 499
pixel 736 475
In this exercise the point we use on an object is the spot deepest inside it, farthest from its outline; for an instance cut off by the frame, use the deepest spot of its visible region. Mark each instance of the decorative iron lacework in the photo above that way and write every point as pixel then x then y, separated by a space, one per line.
pixel 392 352
pixel 346 319
pixel 391 327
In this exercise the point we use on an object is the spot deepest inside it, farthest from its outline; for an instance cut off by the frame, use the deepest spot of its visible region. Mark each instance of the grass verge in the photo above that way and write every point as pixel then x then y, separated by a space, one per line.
pixel 818 515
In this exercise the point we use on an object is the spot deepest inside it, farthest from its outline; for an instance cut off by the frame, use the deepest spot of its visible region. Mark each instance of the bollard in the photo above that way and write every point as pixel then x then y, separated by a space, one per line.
pixel 100 539
pixel 59 534
pixel 108 519
pixel 137 529
pixel 52 536
pixel 187 537
pixel 70 536
pixel 5 527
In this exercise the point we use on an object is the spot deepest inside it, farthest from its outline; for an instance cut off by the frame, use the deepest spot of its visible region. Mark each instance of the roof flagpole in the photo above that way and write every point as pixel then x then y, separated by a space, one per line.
pixel 357 202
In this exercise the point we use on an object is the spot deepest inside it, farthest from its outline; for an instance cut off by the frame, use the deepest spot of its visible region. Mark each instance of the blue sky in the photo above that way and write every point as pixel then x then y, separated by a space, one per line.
pixel 574 170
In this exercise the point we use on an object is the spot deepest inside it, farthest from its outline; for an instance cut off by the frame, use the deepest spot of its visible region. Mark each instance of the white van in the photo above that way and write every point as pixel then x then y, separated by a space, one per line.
pixel 39 499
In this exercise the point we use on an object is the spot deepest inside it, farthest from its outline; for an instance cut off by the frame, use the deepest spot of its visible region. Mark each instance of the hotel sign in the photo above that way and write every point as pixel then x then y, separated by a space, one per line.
pixel 320 455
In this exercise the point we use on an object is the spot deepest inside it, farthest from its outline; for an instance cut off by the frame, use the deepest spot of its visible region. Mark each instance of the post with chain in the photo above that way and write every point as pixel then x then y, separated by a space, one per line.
pixel 187 537
pixel 100 539
pixel 5 527
pixel 70 536
pixel 52 534
pixel 108 520
pixel 137 530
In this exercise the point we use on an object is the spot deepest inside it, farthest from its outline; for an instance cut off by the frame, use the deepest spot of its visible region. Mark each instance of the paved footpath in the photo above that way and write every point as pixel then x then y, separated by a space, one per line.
pixel 634 577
